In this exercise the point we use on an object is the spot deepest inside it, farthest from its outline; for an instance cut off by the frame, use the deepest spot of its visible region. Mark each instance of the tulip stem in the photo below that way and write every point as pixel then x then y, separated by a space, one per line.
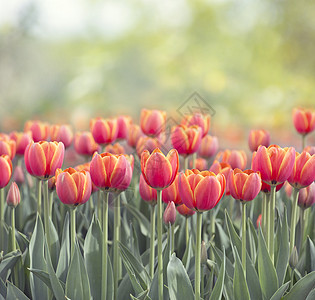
pixel 272 207
pixel 152 239
pixel 295 196
pixel 72 228
pixel 302 223
pixel 15 277
pixel 115 244
pixel 187 231
pixel 303 141
pixel 185 163
pixel 1 218
pixel 264 215
pixel 39 196
pixel 197 256
pixel 160 256
pixel 46 212
pixel 244 237
pixel 51 200
pixel 172 237
pixel 267 221
pixel 104 247
pixel 99 206
pixel 194 156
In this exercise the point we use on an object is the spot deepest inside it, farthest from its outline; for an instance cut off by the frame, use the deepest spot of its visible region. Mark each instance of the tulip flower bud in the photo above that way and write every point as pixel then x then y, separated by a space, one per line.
pixel 147 193
pixel 310 149
pixel 201 164
pixel 209 146
pixel 104 131
pixel 235 158
pixel 13 197
pixel 8 147
pixel 307 196
pixel 62 133
pixel 303 120
pixel 22 139
pixel 40 130
pixel 123 123
pixel 294 258
pixel 152 122
pixel 134 133
pixel 203 121
pixel 203 254
pixel 85 144
pixel 18 175
pixel 169 215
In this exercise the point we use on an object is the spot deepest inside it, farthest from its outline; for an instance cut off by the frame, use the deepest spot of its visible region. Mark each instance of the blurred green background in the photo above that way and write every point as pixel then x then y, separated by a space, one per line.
pixel 68 61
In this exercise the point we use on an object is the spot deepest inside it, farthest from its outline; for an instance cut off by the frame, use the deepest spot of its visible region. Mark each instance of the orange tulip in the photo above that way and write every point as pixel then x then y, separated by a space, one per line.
pixel 222 168
pixel 40 130
pixel 185 211
pixel 104 131
pixel 5 170
pixel 257 138
pixel 123 123
pixel 171 194
pixel 159 171
pixel 201 191
pixel 203 121
pixel 61 133
pixel 84 143
pixel 244 185
pixel 22 139
pixel 235 158
pixel 152 122
pixel 209 146
pixel 303 120
pixel 201 164
pixel 73 187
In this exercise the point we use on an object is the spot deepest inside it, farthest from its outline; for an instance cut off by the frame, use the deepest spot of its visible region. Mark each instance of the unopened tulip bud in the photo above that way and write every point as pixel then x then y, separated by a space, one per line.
pixel 258 221
pixel 169 215
pixel 294 258
pixel 13 197
pixel 18 175
pixel 203 254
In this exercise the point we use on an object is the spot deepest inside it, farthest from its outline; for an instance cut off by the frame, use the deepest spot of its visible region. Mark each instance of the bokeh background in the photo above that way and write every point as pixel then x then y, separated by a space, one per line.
pixel 68 61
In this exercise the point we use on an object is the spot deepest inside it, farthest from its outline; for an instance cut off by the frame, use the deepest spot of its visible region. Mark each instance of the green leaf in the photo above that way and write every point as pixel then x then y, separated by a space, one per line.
pixel 311 295
pixel 235 239
pixel 93 257
pixel 281 290
pixel 179 285
pixel 14 293
pixel 77 284
pixel 240 288
pixel 302 288
pixel 8 262
pixel 188 254
pixel 142 220
pixel 37 260
pixel 54 244
pixel 218 288
pixel 44 277
pixel 3 289
pixel 283 253
pixel 309 256
pixel 267 274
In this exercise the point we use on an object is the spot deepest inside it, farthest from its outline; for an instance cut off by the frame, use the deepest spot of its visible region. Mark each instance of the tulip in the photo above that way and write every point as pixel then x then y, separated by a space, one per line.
pixel 8 147
pixel 42 159
pixel 152 122
pixel 134 133
pixel 203 121
pixel 171 194
pixel 22 139
pixel 115 149
pixel 86 167
pixel 13 196
pixel 169 215
pixel 208 147
pixel 307 196
pixel 201 164
pixel 40 130
pixel 310 149
pixel 303 120
pixel 147 143
pixel 18 175
pixel 186 140
pixel 147 193
pixel 84 143
pixel 223 168
pixel 185 211
pixel 104 131
pixel 61 133
pixel 5 170
pixel 123 123
pixel 257 138
pixel 235 158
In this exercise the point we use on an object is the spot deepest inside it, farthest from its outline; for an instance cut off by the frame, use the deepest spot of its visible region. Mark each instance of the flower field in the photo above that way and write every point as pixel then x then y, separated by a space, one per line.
pixel 131 210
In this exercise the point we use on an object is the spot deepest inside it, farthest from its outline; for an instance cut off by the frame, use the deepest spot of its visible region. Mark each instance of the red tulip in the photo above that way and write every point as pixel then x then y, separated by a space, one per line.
pixel 303 173
pixel 209 146
pixel 152 122
pixel 134 134
pixel 235 158
pixel 265 188
pixel 42 159
pixel 185 211
pixel 114 149
pixel 257 138
pixel 73 187
pixel 244 185
pixel 274 163
pixel 22 139
pixel 147 193
pixel 123 123
pixel 307 196
pixel 201 164
pixel 128 176
pixel 104 131
pixel 203 121
pixel 61 133
pixel 186 140
pixel 108 171
pixel 171 194
pixel 8 147
pixel 201 191
pixel 40 130
pixel 13 197
pixel 222 168
pixel 159 171
pixel 18 175
pixel 147 143
pixel 303 120
pixel 5 170
pixel 84 143
pixel 169 215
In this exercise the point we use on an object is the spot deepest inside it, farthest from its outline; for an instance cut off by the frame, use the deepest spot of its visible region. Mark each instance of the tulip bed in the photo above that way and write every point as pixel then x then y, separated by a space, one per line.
pixel 155 217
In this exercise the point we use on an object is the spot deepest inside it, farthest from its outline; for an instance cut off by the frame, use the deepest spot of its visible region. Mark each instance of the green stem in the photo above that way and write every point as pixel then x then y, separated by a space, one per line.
pixel 264 215
pixel 1 218
pixel 152 239
pixel 72 230
pixel 104 247
pixel 46 212
pixel 115 244
pixel 295 196
pixel 244 237
pixel 212 230
pixel 187 231
pixel 272 208
pixel 13 246
pixel 194 156
pixel 197 256
pixel 302 223
pixel 39 196
pixel 160 256
pixel 202 282
pixel 185 163
pixel 303 141
pixel 99 206
pixel 51 200
pixel 172 237
pixel 268 203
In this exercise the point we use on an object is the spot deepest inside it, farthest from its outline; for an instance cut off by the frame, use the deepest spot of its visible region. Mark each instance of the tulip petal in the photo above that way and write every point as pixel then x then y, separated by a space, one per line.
pixel 185 191
pixel 118 174
pixel 37 160
pixel 286 166
pixel 251 187
pixel 66 189
pixel 262 163
pixel 173 158
pixel 57 158
pixel 308 172
pixel 98 172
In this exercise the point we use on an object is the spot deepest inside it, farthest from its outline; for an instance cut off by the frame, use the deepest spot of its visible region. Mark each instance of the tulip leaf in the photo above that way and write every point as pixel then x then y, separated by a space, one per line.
pixel 267 274
pixel 283 253
pixel 3 289
pixel 240 288
pixel 179 285
pixel 77 284
pixel 188 254
pixel 64 259
pixel 281 290
pixel 234 238
pixel 37 260
pixel 311 295
pixel 44 277
pixel 54 244
pixel 14 293
pixel 302 288
pixel 93 257
pixel 218 288
pixel 8 262
pixel 309 256
pixel 142 220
